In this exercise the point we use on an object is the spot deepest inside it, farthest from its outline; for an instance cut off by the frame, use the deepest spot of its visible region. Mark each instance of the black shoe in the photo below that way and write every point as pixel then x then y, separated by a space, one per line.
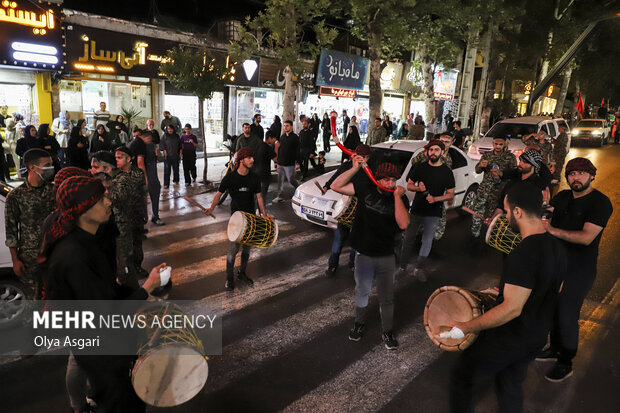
pixel 330 272
pixel 241 276
pixel 230 285
pixel 559 372
pixel 547 355
pixel 389 341
pixel 357 332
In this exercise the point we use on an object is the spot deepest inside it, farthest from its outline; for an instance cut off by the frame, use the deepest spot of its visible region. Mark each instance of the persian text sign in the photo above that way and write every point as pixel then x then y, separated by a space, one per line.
pixel 341 70
pixel 337 92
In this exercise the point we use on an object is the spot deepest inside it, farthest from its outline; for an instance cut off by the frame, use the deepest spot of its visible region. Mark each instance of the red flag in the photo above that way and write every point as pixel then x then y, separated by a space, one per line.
pixel 580 107
pixel 603 102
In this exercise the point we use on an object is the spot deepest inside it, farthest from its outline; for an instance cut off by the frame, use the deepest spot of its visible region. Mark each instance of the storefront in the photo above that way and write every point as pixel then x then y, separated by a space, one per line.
pixel 32 47
pixel 393 102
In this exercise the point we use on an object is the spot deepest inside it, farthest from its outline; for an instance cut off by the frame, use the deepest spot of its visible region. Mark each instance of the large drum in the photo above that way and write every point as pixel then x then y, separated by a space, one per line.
pixel 172 367
pixel 346 215
pixel 250 229
pixel 452 303
pixel 501 236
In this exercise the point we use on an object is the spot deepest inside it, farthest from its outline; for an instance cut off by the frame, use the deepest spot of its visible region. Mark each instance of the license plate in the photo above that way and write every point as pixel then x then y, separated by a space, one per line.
pixel 312 212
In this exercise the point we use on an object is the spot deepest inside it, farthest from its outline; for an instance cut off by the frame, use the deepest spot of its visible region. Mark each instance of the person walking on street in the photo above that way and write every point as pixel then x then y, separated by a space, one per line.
pixel 169 119
pixel 189 143
pixel 345 123
pixel 61 126
pixel 307 146
pixel 256 130
pixel 560 150
pixel 376 134
pixel 247 139
pixel 512 332
pixel 242 185
pixel 351 142
pixel 26 208
pixel 262 162
pixel 145 152
pixel 170 145
pixel 327 132
pixel 378 218
pixel 276 127
pixel 580 214
pixel 287 149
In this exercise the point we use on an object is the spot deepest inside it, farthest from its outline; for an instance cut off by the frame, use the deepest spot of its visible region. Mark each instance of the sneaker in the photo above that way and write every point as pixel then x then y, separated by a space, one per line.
pixel 158 222
pixel 389 341
pixel 241 276
pixel 277 199
pixel 330 272
pixel 547 355
pixel 357 332
pixel 559 373
pixel 230 285
pixel 420 275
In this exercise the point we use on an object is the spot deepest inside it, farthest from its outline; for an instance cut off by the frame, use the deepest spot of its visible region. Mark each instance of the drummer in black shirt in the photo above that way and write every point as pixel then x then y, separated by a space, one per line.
pixel 512 332
pixel 378 217
pixel 579 217
pixel 242 185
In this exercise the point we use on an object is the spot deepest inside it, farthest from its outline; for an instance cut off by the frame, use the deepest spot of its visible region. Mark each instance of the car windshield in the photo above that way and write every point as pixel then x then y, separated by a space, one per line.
pixel 511 130
pixel 590 124
pixel 394 156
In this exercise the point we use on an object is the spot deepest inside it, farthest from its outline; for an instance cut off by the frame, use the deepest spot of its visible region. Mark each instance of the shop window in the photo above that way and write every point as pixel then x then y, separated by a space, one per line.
pixel 70 94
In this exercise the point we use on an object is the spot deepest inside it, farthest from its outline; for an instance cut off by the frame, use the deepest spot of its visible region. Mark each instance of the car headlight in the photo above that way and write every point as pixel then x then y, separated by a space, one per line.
pixel 297 193
pixel 575 132
pixel 596 132
pixel 473 150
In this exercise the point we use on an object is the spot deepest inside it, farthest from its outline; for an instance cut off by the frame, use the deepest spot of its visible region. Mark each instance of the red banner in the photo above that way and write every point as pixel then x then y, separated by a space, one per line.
pixel 337 92
pixel 580 107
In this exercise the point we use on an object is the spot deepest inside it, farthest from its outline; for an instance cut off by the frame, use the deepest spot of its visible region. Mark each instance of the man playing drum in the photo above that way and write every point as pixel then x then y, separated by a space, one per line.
pixel 379 215
pixel 242 185
pixel 513 331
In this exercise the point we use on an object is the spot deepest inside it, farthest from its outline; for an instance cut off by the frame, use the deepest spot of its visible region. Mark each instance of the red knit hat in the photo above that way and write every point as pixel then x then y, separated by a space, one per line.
pixel 580 164
pixel 435 142
pixel 387 170
pixel 362 150
pixel 245 152
pixel 66 173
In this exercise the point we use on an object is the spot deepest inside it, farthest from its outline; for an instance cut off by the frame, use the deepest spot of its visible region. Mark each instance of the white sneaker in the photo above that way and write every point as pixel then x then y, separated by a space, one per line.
pixel 277 199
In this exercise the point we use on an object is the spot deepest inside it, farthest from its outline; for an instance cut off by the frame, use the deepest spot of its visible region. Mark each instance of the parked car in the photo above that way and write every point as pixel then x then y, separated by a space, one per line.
pixel 594 131
pixel 11 289
pixel 514 129
pixel 322 209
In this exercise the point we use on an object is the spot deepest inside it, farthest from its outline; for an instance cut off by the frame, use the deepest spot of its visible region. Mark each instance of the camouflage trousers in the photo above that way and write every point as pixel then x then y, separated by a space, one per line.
pixel 559 159
pixel 485 203
pixel 32 279
pixel 441 227
pixel 129 254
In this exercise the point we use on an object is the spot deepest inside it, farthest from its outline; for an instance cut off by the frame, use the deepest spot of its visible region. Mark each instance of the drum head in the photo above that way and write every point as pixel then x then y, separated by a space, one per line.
pixel 169 375
pixel 340 207
pixel 236 226
pixel 449 304
pixel 490 229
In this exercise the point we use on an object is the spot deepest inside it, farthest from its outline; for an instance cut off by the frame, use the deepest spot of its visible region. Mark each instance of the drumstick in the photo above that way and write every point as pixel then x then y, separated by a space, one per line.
pixel 318 185
pixel 474 213
pixel 196 204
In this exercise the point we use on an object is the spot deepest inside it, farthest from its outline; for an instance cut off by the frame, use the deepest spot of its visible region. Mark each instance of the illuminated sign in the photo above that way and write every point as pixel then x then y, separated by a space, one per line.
pixel 337 92
pixel 340 69
pixel 32 34
pixel 103 51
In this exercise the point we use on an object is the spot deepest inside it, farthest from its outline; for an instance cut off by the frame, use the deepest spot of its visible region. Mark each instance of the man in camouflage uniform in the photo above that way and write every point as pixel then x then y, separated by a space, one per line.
pixel 493 163
pixel 377 134
pixel 540 142
pixel 136 207
pixel 560 150
pixel 27 206
pixel 447 140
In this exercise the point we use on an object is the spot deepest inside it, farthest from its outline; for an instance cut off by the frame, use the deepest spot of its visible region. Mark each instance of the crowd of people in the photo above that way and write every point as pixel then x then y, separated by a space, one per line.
pixel 75 229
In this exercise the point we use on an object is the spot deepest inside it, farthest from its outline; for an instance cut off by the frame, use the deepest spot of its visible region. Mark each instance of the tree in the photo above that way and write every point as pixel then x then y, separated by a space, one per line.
pixel 385 26
pixel 197 72
pixel 286 30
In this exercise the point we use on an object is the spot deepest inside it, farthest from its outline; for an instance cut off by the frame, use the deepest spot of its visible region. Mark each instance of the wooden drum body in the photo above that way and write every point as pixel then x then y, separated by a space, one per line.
pixel 250 229
pixel 452 303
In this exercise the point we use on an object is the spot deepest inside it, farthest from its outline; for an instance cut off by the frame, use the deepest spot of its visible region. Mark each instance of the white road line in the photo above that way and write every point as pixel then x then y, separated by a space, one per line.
pixel 211 266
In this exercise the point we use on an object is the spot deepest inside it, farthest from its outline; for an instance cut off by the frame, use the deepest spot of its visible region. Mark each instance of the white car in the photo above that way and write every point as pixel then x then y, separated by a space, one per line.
pixel 513 130
pixel 595 131
pixel 11 289
pixel 310 204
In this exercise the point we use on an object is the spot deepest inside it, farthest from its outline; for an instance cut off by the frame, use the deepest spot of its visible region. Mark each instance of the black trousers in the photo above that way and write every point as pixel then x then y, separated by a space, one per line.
pixel 485 359
pixel 303 166
pixel 565 329
pixel 189 166
pixel 327 142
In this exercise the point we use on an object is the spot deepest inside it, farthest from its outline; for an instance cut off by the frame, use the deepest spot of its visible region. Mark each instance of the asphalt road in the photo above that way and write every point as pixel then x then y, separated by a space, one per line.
pixel 285 345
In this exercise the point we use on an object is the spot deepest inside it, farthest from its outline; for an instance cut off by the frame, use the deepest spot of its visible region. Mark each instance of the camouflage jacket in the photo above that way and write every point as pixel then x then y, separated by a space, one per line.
pixel 505 160
pixel 138 196
pixel 127 193
pixel 26 209
pixel 376 135
pixel 421 158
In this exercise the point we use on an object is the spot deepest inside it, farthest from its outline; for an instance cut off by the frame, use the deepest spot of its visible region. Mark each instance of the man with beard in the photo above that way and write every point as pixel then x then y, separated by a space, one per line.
pixel 512 331
pixel 434 183
pixel 579 217
pixel 378 217
pixel 256 129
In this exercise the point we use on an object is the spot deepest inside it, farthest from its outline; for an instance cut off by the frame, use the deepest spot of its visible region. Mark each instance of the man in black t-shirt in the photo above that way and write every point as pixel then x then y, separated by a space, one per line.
pixel 512 332
pixel 242 185
pixel 378 217
pixel 579 217
pixel 262 162
pixel 433 182
pixel 287 149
